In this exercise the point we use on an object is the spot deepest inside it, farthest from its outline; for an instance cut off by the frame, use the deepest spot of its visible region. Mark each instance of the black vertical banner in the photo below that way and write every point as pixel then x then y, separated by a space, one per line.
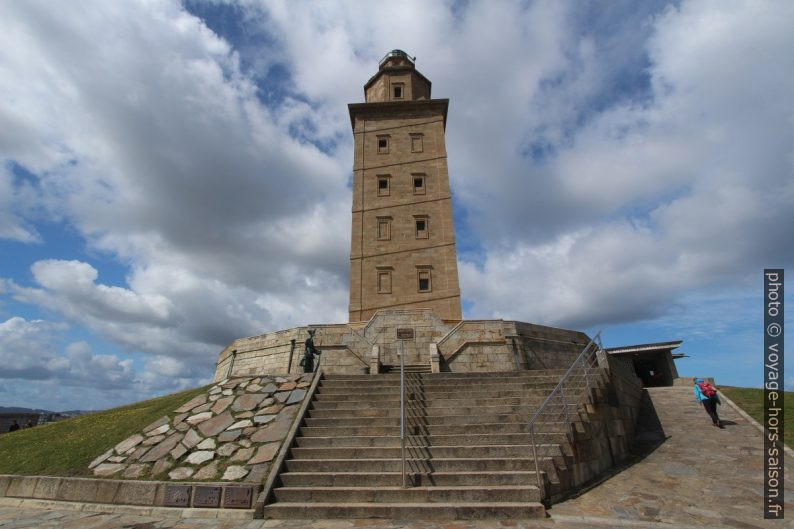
pixel 773 394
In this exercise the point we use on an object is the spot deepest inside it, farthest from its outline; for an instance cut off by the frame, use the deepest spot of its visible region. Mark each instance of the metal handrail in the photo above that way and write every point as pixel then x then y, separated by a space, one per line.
pixel 583 362
pixel 402 408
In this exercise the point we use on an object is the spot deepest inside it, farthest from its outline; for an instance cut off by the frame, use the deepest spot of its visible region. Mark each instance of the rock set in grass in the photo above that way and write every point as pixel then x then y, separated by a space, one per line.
pixel 232 432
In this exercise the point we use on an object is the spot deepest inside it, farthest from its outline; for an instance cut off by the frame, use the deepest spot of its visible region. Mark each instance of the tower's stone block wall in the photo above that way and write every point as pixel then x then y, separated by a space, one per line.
pixel 402 238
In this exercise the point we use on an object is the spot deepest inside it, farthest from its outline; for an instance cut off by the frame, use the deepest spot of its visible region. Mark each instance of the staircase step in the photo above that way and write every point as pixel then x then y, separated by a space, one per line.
pixel 539 391
pixel 423 511
pixel 384 412
pixel 458 401
pixel 432 440
pixel 422 465
pixel 385 479
pixel 412 451
pixel 436 429
pixel 434 377
pixel 432 384
pixel 412 420
pixel 393 494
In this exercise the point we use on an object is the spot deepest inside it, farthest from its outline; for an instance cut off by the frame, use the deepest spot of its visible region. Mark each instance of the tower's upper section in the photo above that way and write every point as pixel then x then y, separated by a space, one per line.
pixel 397 80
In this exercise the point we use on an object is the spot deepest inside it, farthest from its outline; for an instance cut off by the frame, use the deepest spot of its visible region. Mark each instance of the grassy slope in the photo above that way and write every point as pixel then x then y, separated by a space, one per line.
pixel 751 400
pixel 66 448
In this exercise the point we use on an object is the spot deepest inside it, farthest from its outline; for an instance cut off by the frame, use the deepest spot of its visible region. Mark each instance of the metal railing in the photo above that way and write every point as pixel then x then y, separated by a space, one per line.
pixel 571 392
pixel 402 409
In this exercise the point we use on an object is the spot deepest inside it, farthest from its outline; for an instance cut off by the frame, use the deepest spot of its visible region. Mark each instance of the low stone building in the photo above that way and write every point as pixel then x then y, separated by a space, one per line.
pixel 653 363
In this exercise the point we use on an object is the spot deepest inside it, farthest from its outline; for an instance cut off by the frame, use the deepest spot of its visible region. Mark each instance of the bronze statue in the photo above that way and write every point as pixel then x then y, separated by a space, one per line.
pixel 309 353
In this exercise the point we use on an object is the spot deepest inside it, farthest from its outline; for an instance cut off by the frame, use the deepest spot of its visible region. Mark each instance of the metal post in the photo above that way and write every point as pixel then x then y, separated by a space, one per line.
pixel 402 408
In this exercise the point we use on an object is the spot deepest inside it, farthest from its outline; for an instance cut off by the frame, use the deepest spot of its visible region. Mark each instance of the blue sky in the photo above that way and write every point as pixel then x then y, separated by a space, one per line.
pixel 176 175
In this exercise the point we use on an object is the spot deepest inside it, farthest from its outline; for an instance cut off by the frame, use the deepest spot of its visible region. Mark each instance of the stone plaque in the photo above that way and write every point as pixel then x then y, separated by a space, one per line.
pixel 177 496
pixel 238 497
pixel 204 496
pixel 405 334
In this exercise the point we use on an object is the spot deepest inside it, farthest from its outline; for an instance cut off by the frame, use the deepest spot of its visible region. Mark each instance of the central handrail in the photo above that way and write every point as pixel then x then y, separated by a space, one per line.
pixel 402 409
pixel 577 387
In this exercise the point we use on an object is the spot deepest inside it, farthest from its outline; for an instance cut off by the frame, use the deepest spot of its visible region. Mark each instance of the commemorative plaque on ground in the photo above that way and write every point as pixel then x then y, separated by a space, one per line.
pixel 177 496
pixel 238 497
pixel 205 496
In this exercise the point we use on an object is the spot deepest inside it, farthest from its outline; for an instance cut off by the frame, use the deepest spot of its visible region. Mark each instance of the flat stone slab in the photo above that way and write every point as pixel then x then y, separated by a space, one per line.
pixel 216 425
pixel 128 443
pixel 198 400
pixel 162 448
pixel 274 431
pixel 197 458
pixel 108 469
pixel 265 453
pixel 234 472
pixel 221 404
pixel 159 430
pixel 192 438
pixel 206 444
pixel 156 424
pixel 181 473
pixel 248 401
pixel 198 418
pixel 296 396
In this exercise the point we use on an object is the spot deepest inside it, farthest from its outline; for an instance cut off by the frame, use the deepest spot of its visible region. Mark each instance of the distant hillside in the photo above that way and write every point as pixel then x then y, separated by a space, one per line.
pixel 17 409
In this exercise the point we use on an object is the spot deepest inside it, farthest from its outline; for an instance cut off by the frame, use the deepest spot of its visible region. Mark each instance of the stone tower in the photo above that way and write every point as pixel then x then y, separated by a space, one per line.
pixel 403 242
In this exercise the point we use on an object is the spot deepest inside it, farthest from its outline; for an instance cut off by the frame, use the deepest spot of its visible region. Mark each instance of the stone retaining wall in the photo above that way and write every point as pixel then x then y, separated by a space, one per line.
pixel 605 431
pixel 103 491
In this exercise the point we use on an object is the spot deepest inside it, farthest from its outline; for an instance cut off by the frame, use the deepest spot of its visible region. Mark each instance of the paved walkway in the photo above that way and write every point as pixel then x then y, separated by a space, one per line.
pixel 699 476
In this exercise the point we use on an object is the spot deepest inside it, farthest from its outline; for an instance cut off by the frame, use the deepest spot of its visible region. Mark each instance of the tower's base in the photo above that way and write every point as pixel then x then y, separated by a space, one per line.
pixel 373 347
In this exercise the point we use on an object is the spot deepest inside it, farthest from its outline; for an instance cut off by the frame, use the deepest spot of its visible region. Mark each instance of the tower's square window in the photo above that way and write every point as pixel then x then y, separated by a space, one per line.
pixel 383 185
pixel 416 143
pixel 384 228
pixel 384 280
pixel 383 144
pixel 397 90
pixel 422 231
pixel 423 276
pixel 419 184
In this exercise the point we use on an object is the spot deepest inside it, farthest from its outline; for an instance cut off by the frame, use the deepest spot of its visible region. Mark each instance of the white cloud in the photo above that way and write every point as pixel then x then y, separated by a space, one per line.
pixel 29 350
pixel 684 191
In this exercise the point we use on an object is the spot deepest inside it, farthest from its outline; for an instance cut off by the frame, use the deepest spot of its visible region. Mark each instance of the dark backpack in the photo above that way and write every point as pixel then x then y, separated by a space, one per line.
pixel 707 389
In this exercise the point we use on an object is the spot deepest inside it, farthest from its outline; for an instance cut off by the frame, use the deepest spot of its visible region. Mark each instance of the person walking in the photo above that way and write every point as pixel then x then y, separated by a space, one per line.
pixel 706 395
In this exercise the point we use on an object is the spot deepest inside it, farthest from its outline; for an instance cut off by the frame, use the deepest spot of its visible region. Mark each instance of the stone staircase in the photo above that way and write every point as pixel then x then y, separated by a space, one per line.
pixel 468 453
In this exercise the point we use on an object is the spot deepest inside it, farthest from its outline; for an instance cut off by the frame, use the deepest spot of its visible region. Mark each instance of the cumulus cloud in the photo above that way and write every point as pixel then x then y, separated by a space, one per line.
pixel 42 368
pixel 29 350
pixel 684 189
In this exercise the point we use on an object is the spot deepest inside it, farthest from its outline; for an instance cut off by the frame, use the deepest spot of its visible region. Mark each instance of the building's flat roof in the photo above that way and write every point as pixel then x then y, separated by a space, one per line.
pixel 644 347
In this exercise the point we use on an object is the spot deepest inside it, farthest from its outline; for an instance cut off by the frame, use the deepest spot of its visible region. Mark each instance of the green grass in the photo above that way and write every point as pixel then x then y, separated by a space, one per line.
pixel 67 447
pixel 751 400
